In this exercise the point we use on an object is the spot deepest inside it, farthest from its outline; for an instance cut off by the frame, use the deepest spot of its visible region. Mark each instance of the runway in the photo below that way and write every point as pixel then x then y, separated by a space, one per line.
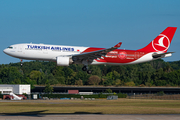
pixel 90 117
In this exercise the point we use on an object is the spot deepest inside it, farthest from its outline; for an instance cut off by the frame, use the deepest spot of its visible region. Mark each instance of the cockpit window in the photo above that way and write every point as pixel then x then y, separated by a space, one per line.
pixel 10 47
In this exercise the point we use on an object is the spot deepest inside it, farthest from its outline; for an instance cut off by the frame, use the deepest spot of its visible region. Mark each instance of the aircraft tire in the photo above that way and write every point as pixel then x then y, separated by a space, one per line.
pixel 89 71
pixel 84 68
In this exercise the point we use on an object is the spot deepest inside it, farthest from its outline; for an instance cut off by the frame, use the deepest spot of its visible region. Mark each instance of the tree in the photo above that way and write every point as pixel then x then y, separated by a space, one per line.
pixel 79 82
pixel 83 76
pixel 94 80
pixel 52 79
pixel 95 70
pixel 118 82
pixel 27 80
pixel 36 75
pixel 58 71
pixel 130 83
pixel 16 81
pixel 67 71
pixel 48 89
pixel 108 91
pixel 9 74
pixel 156 73
pixel 60 79
pixel 113 75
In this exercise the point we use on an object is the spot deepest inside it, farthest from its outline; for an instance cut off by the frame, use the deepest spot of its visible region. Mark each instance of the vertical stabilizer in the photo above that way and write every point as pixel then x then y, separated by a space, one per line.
pixel 162 42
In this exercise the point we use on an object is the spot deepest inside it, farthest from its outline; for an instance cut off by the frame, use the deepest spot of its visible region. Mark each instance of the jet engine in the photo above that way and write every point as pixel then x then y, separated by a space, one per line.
pixel 64 61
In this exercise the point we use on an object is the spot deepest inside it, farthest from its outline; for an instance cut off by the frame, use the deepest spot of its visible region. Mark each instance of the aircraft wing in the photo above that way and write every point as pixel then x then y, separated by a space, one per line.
pixel 90 56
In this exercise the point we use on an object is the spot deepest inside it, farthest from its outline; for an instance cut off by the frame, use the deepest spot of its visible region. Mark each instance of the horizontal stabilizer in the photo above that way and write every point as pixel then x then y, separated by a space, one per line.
pixel 162 55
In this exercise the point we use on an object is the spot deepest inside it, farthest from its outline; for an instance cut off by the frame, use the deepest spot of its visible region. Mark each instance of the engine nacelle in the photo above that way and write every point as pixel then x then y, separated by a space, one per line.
pixel 63 61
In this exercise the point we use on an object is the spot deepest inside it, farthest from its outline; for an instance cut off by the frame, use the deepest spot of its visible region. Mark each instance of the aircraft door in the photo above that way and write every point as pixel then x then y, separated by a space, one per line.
pixel 136 55
pixel 20 48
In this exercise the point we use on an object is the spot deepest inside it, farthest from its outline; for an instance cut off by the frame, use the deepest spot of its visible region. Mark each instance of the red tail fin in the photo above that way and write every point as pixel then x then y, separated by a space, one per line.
pixel 161 42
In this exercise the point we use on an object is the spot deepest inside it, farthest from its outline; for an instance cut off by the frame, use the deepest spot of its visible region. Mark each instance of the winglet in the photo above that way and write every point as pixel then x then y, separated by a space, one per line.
pixel 118 45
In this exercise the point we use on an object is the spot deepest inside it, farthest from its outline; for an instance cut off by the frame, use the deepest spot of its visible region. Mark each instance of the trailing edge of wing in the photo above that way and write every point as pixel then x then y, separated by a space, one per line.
pixel 95 54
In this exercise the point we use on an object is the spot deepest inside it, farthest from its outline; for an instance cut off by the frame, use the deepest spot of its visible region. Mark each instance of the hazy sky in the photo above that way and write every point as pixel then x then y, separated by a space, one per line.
pixel 94 23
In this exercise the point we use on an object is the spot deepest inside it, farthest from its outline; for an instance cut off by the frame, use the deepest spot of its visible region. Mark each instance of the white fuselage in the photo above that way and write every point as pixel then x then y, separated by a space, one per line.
pixel 42 51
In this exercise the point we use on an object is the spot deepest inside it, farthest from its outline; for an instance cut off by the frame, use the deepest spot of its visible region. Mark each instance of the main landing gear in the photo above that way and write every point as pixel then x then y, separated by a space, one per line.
pixel 85 68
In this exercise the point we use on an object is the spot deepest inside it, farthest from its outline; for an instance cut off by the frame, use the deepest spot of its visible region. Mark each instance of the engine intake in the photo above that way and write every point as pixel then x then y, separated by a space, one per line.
pixel 63 61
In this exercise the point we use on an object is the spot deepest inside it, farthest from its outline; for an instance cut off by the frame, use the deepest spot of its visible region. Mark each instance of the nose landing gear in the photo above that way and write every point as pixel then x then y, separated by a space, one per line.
pixel 21 62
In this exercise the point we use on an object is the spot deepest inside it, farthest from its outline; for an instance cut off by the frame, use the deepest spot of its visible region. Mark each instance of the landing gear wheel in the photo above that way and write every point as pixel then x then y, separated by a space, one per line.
pixel 89 71
pixel 84 68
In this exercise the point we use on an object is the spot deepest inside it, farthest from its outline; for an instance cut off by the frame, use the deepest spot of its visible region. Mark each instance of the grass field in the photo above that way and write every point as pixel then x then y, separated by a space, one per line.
pixel 99 106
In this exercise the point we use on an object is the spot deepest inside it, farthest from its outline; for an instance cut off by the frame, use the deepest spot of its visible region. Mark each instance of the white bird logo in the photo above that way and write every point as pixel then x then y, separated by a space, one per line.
pixel 160 42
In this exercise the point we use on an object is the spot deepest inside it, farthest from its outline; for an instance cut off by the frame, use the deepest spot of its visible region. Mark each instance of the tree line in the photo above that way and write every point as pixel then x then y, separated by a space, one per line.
pixel 154 73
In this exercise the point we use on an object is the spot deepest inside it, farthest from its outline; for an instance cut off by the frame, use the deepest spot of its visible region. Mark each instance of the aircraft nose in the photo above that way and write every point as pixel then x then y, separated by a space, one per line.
pixel 5 51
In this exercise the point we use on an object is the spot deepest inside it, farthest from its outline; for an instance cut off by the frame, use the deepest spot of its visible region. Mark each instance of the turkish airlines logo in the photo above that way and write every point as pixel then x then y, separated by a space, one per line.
pixel 122 55
pixel 161 43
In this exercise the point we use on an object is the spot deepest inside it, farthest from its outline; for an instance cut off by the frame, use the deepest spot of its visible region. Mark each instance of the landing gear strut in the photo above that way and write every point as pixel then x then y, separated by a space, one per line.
pixel 21 62
pixel 85 68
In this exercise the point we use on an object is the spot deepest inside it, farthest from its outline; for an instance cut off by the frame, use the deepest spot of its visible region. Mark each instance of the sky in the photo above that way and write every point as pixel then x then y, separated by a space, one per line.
pixel 89 23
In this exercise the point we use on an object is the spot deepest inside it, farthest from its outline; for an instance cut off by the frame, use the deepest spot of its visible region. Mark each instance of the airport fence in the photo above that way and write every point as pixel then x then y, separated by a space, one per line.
pixel 155 96
pixel 120 95
pixel 101 95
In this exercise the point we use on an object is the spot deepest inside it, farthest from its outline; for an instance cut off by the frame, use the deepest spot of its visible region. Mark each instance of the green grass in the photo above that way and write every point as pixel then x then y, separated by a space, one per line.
pixel 99 106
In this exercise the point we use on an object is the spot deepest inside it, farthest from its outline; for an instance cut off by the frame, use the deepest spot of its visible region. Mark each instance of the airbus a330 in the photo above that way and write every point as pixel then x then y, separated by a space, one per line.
pixel 66 55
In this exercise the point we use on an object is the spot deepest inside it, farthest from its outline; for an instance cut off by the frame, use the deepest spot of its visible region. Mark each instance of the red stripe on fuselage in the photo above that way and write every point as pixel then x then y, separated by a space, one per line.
pixel 119 55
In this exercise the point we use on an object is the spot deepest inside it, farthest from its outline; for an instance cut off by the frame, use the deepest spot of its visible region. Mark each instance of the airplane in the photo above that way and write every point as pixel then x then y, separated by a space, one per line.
pixel 66 55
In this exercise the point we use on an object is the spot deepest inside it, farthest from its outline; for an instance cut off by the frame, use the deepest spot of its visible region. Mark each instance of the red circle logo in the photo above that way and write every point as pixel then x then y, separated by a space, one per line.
pixel 122 55
pixel 161 43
